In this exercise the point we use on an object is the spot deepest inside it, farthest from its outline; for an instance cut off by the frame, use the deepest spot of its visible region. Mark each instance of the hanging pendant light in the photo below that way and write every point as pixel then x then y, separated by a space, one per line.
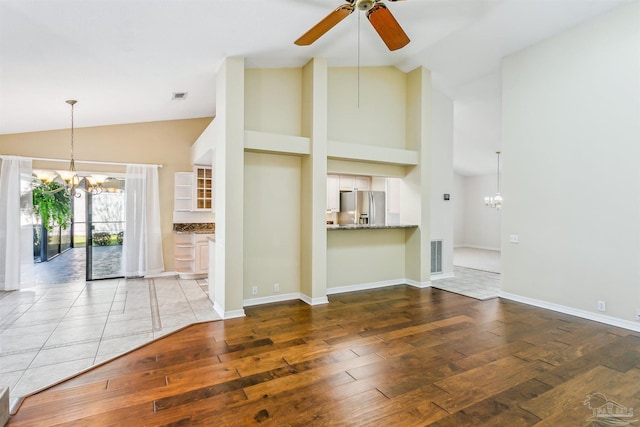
pixel 70 177
pixel 69 181
pixel 495 201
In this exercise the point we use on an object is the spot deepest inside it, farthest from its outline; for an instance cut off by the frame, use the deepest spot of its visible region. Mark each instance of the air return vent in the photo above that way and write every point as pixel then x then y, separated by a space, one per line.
pixel 436 256
pixel 179 96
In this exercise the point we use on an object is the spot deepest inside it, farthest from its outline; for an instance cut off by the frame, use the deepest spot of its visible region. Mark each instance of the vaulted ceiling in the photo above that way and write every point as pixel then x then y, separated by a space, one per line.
pixel 123 59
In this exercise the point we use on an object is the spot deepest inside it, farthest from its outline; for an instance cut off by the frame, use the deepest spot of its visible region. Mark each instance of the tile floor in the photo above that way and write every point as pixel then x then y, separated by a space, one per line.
pixel 50 332
pixel 69 266
pixel 476 284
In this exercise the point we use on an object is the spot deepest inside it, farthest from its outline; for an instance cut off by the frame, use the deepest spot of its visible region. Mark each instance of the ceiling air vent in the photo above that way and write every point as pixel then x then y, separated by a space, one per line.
pixel 179 96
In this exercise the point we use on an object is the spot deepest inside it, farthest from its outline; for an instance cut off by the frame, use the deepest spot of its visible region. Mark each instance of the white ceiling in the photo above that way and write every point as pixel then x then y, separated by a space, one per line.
pixel 123 59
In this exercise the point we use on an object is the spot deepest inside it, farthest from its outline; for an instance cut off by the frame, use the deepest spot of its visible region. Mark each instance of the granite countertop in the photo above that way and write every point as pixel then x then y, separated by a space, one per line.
pixel 368 227
pixel 195 227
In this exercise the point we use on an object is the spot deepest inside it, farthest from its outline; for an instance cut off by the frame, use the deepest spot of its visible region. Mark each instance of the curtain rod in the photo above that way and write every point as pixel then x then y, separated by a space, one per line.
pixel 91 162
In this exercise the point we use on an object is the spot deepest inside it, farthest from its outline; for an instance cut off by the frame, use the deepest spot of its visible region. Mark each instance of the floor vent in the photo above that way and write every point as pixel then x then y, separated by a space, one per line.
pixel 436 256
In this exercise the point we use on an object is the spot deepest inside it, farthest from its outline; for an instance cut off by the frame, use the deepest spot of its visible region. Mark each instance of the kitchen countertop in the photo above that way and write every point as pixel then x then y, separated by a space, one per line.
pixel 331 227
pixel 195 227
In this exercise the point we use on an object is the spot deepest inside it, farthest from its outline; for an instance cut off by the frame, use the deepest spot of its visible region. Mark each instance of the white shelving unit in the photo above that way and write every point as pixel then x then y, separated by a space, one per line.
pixel 193 191
pixel 183 191
pixel 191 254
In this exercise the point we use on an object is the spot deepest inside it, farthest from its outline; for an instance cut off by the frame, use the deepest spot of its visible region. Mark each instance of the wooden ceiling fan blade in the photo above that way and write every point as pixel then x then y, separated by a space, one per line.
pixel 387 27
pixel 325 25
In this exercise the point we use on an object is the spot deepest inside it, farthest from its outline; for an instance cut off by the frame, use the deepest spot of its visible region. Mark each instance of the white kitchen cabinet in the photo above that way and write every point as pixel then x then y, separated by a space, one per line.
pixel 193 191
pixel 362 183
pixel 346 182
pixel 393 195
pixel 191 254
pixel 333 193
pixel 354 182
pixel 203 196
pixel 202 254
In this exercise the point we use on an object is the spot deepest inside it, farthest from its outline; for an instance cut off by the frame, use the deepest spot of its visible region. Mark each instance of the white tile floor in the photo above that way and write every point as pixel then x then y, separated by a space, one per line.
pixel 51 332
pixel 476 274
pixel 472 283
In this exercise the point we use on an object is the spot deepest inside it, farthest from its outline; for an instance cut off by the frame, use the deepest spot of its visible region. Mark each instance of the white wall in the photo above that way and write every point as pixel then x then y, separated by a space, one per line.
pixel 571 133
pixel 481 223
pixel 441 174
pixel 475 225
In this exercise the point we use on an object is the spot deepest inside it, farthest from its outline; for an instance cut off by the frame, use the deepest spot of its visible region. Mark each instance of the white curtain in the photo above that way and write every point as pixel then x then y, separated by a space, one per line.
pixel 142 246
pixel 16 224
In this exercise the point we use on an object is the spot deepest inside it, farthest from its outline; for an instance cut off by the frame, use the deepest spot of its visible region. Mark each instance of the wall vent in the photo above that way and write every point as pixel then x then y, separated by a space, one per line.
pixel 179 96
pixel 436 256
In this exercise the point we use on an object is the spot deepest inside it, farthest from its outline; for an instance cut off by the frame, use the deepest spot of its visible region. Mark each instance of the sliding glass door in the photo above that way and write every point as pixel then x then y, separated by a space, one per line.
pixel 105 233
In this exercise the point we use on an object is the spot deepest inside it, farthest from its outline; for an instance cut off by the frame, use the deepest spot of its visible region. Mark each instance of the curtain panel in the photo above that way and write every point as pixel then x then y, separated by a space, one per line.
pixel 142 246
pixel 16 224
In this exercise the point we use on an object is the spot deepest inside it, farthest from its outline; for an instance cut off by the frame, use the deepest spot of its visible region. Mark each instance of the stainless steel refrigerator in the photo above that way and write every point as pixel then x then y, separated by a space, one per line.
pixel 362 208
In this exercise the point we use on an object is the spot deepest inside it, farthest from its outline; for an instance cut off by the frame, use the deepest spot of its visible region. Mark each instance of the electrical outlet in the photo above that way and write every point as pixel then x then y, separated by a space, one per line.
pixel 602 306
pixel 254 290
pixel 513 238
pixel 276 287
pixel 638 314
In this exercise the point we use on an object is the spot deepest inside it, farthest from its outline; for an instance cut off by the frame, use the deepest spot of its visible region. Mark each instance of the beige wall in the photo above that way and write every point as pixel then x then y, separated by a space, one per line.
pixel 273 99
pixel 271 223
pixel 379 116
pixel 357 257
pixel 167 143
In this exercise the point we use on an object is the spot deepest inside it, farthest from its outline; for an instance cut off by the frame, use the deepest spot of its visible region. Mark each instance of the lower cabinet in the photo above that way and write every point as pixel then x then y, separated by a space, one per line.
pixel 192 255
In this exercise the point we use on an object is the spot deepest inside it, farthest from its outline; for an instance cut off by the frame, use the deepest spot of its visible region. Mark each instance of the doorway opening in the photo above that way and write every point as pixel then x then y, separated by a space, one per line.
pixel 91 247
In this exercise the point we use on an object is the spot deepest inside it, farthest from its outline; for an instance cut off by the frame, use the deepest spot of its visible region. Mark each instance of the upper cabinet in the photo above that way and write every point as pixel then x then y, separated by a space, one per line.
pixel 333 193
pixel 355 183
pixel 203 188
pixel 338 183
pixel 193 191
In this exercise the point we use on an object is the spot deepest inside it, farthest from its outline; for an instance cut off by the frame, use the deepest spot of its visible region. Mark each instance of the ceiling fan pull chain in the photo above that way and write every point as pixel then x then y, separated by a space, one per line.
pixel 358 72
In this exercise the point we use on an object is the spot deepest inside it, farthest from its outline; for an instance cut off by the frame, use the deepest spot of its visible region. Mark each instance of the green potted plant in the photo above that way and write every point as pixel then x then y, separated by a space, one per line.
pixel 53 207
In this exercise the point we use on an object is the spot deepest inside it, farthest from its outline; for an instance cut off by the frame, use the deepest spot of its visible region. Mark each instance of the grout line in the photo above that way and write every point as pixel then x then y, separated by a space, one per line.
pixel 156 325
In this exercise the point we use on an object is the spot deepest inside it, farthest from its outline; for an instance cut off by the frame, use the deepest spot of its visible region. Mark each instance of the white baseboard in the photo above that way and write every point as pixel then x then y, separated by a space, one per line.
pixel 161 274
pixel 486 248
pixel 227 314
pixel 270 299
pixel 375 285
pixel 365 286
pixel 440 276
pixel 607 320
pixel 314 301
pixel 417 284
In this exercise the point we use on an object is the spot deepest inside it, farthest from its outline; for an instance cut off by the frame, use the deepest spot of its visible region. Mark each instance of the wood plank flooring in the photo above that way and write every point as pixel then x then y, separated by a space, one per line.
pixel 392 356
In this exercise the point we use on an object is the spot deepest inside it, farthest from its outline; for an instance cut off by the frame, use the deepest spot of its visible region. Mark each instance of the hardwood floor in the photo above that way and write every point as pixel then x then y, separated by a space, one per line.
pixel 393 356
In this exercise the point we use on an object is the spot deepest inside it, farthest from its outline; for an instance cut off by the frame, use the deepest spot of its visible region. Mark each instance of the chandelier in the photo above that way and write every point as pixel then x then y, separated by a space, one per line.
pixel 495 201
pixel 68 180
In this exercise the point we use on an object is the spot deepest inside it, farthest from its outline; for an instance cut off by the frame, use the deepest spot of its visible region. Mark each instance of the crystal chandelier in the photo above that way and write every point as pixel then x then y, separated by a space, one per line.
pixel 495 201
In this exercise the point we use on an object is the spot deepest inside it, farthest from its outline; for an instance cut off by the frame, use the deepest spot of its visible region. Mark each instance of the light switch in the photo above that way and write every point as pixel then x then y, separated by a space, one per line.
pixel 513 238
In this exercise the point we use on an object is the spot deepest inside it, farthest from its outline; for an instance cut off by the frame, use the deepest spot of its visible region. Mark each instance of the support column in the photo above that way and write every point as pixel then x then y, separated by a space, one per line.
pixel 229 189
pixel 313 252
pixel 415 194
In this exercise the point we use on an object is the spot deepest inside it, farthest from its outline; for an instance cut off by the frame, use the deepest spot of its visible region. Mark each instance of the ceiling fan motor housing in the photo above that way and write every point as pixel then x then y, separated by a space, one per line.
pixel 365 4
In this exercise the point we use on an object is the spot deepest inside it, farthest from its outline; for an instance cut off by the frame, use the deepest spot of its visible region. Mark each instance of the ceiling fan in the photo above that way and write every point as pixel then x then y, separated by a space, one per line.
pixel 380 17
